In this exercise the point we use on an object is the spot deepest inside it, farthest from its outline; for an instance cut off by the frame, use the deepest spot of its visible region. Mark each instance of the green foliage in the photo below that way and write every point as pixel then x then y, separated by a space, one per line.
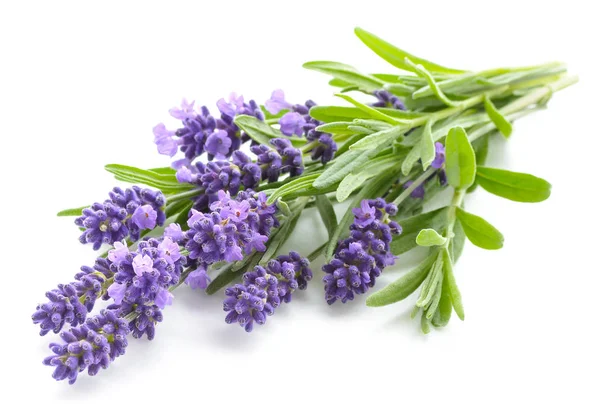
pixel 515 186
pixel 460 159
pixel 480 232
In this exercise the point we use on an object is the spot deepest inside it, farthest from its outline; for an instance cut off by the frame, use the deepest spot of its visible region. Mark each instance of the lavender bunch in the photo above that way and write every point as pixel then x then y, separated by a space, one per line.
pixel 247 175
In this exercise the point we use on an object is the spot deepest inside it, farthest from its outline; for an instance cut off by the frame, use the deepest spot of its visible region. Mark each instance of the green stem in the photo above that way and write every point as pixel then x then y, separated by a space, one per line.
pixel 457 200
pixel 317 252
pixel 430 171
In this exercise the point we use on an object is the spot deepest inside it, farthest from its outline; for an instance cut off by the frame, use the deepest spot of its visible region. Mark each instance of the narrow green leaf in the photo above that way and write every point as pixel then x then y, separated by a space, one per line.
pixel 175 208
pixel 182 218
pixel 437 91
pixel 457 243
pixel 511 185
pixel 435 300
pixel 342 166
pixel 403 287
pixel 229 274
pixel 353 181
pixel 166 183
pixel 372 112
pixel 452 287
pixel 411 159
pixel 338 127
pixel 503 125
pixel 72 211
pixel 258 130
pixel 430 237
pixel 460 159
pixel 292 186
pixel 279 238
pixel 327 213
pixel 340 114
pixel 444 310
pixel 427 146
pixel 425 324
pixel 411 227
pixel 164 170
pixel 480 146
pixel 396 56
pixel 430 285
pixel 346 73
pixel 377 139
pixel 480 232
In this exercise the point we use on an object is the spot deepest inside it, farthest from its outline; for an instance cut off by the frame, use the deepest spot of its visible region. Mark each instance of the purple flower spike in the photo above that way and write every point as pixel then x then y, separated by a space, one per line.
pixel 147 272
pixel 277 102
pixel 388 100
pixel 359 259
pixel 233 107
pixel 113 220
pixel 185 112
pixel 91 346
pixel 218 144
pixel 292 123
pixel 440 156
pixel 264 288
pixel 174 232
pixel 144 217
pixel 233 226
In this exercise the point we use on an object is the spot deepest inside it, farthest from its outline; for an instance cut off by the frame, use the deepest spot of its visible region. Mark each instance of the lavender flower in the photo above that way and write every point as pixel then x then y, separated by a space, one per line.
pixel 70 303
pixel 236 106
pixel 233 227
pixel 145 318
pixel 359 259
pixel 124 214
pixel 144 276
pixel 388 100
pixel 91 346
pixel 263 289
pixel 299 122
pixel 285 158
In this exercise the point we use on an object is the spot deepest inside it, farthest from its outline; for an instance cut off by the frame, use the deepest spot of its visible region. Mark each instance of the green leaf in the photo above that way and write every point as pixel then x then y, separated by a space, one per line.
pixel 339 113
pixel 341 167
pixel 396 56
pixel 378 139
pixel 347 74
pixel 279 238
pixel 353 181
pixel 480 232
pixel 452 287
pixel 515 186
pixel 164 170
pixel 430 237
pixel 258 130
pixel 460 159
pixel 503 125
pixel 182 218
pixel 480 146
pixel 231 273
pixel 457 243
pixel 175 208
pixel 412 226
pixel 338 127
pixel 444 310
pixel 377 187
pixel 427 146
pixel 370 111
pixel 437 91
pixel 403 287
pixel 430 285
pixel 168 184
pixel 293 186
pixel 72 211
pixel 327 213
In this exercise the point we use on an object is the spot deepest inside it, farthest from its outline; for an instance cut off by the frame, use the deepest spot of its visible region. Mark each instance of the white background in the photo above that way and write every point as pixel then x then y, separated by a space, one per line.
pixel 82 85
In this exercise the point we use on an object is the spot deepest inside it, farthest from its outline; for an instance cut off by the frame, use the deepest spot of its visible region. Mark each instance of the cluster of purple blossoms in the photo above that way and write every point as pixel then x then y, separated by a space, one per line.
pixel 264 288
pixel 126 213
pixel 144 276
pixel 385 99
pixel 145 318
pixel 232 228
pixel 284 159
pixel 360 259
pixel 70 303
pixel 92 345
pixel 298 122
pixel 438 163
pixel 214 176
pixel 201 132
